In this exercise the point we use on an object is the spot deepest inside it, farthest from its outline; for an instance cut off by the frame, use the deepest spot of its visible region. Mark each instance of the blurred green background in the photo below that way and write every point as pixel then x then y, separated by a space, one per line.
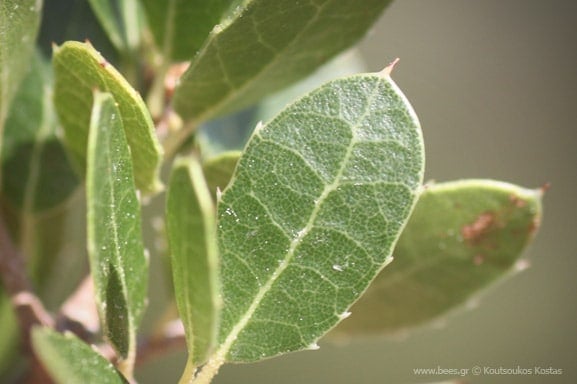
pixel 495 86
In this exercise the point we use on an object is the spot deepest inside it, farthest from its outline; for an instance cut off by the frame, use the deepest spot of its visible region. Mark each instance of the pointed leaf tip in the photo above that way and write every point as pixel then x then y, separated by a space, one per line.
pixel 386 72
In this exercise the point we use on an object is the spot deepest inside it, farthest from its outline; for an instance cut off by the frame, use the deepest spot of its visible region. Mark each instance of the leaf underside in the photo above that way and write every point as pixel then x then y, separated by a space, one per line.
pixel 70 360
pixel 180 27
pixel 117 260
pixel 19 22
pixel 36 172
pixel 316 204
pixel 79 70
pixel 263 46
pixel 461 237
pixel 191 230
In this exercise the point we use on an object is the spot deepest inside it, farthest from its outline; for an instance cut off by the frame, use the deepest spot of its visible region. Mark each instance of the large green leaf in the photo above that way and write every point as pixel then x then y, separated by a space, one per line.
pixel 191 227
pixel 36 173
pixel 180 27
pixel 69 360
pixel 79 69
pixel 117 259
pixel 264 45
pixel 461 237
pixel 314 209
pixel 19 21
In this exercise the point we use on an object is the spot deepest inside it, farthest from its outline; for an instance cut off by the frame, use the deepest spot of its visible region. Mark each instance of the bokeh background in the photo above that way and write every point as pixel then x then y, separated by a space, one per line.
pixel 494 83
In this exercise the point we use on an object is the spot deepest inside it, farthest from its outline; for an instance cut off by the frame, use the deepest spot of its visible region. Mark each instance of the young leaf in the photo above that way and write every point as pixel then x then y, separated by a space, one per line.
pixel 461 237
pixel 191 227
pixel 180 27
pixel 36 173
pixel 219 170
pixel 69 360
pixel 19 21
pixel 264 45
pixel 316 204
pixel 117 260
pixel 79 69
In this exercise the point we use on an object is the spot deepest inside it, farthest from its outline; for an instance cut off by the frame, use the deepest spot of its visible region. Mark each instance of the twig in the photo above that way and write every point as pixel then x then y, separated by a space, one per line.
pixel 78 314
pixel 29 309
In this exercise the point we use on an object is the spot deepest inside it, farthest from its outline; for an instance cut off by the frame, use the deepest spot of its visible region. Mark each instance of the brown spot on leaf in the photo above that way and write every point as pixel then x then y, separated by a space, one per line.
pixel 517 201
pixel 478 259
pixel 475 231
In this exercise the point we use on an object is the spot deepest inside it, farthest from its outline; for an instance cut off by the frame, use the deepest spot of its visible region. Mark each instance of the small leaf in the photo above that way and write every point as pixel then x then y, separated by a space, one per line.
pixel 191 227
pixel 19 22
pixel 265 45
pixel 461 237
pixel 36 172
pixel 180 27
pixel 300 225
pixel 79 69
pixel 69 360
pixel 117 260
pixel 219 170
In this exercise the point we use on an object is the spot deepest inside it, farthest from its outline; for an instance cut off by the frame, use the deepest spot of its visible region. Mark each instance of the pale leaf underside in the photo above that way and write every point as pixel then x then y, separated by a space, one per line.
pixel 312 213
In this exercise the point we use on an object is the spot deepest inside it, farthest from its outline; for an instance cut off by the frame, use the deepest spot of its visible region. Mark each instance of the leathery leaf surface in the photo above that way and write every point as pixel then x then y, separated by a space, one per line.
pixel 314 209
pixel 191 229
pixel 261 46
pixel 117 258
pixel 461 237
pixel 70 360
pixel 19 22
pixel 79 69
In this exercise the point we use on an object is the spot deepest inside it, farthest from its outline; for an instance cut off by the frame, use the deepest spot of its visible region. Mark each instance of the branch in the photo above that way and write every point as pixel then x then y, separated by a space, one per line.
pixel 78 314
pixel 28 308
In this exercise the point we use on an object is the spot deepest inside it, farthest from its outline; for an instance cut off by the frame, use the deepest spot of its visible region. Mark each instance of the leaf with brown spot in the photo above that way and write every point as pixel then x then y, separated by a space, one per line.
pixel 461 237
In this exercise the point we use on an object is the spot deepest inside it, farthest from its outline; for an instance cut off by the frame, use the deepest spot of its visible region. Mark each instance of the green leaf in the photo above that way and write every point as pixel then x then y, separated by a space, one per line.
pixel 36 172
pixel 180 27
pixel 346 64
pixel 19 21
pixel 79 69
pixel 9 335
pixel 121 20
pixel 191 227
pixel 117 260
pixel 263 46
pixel 219 170
pixel 316 204
pixel 69 360
pixel 461 237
